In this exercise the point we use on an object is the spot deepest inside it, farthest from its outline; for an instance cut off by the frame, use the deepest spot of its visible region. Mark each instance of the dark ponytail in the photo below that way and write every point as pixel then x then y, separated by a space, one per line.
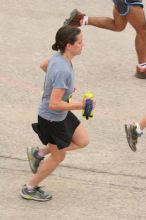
pixel 55 47
pixel 65 35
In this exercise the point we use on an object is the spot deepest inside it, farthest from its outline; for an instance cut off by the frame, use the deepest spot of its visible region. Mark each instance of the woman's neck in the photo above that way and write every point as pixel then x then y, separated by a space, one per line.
pixel 68 56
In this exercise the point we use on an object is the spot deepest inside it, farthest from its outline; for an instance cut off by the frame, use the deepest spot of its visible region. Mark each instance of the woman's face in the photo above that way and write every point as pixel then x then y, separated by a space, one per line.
pixel 76 48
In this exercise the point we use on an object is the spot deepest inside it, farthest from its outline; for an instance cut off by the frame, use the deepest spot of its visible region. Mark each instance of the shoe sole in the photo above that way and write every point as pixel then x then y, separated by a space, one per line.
pixel 24 196
pixel 128 136
pixel 29 159
pixel 72 15
pixel 140 75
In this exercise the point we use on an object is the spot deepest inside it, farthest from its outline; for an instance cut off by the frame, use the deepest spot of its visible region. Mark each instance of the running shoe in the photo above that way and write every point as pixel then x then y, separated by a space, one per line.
pixel 141 72
pixel 74 18
pixel 36 194
pixel 132 135
pixel 33 158
pixel 140 75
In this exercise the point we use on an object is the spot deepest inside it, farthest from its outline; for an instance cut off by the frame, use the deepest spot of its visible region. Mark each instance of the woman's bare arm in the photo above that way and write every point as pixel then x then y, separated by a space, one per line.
pixel 56 102
pixel 44 64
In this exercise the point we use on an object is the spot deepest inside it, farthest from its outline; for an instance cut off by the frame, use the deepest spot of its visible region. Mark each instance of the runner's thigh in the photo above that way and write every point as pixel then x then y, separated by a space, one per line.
pixel 80 136
pixel 120 21
pixel 136 17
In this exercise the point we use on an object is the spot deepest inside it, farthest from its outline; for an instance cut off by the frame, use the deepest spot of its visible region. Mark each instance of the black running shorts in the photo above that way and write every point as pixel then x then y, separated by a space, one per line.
pixel 58 133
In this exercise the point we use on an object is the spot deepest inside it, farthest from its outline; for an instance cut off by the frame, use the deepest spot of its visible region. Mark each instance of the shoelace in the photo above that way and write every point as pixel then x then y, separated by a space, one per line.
pixel 39 189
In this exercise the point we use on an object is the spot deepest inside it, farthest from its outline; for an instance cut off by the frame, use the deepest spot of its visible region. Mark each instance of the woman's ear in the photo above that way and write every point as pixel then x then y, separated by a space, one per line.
pixel 68 46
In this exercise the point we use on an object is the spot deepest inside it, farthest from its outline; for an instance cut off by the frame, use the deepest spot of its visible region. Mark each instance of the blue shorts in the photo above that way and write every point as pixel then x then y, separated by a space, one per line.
pixel 123 6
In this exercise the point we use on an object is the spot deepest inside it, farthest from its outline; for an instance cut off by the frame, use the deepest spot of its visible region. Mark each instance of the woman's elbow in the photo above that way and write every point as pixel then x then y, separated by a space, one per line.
pixel 43 67
pixel 44 64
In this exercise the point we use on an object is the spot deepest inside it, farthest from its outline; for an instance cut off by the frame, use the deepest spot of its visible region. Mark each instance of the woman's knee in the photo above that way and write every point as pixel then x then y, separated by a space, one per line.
pixel 120 28
pixel 60 156
pixel 84 142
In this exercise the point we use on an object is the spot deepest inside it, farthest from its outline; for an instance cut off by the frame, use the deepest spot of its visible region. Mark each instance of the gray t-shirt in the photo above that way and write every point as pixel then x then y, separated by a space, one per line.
pixel 59 74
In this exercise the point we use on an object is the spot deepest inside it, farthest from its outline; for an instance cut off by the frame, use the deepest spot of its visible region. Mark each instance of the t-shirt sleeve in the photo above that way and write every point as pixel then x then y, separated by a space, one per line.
pixel 61 80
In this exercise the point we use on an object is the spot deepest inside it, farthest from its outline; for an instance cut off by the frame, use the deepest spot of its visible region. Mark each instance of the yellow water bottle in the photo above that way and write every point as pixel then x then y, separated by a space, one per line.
pixel 88 110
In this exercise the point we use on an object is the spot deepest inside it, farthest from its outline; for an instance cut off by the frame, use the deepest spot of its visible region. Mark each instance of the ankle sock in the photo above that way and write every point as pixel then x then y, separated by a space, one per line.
pixel 30 188
pixel 138 129
pixel 141 64
pixel 39 154
pixel 85 20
